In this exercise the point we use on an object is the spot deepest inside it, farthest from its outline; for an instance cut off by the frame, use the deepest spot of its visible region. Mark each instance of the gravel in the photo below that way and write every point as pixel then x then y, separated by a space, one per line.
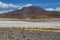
pixel 6 34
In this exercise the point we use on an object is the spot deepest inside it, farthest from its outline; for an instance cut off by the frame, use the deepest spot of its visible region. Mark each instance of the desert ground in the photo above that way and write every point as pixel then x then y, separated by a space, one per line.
pixel 44 30
pixel 53 23
pixel 23 34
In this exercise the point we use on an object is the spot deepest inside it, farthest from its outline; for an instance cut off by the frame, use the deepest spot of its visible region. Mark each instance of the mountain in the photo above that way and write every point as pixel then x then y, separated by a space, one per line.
pixel 32 12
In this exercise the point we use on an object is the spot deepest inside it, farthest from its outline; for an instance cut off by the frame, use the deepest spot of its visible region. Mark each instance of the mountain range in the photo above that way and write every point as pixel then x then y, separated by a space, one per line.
pixel 32 12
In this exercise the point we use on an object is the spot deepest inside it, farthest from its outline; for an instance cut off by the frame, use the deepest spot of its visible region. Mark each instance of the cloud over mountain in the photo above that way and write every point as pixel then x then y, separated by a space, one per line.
pixel 4 11
pixel 27 5
pixel 10 5
pixel 32 12
pixel 5 5
pixel 52 9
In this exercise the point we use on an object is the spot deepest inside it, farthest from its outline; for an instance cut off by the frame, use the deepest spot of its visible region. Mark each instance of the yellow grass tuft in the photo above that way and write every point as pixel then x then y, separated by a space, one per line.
pixel 33 29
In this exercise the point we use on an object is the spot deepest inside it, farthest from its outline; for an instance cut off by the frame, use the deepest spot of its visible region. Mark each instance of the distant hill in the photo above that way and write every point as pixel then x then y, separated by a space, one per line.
pixel 32 12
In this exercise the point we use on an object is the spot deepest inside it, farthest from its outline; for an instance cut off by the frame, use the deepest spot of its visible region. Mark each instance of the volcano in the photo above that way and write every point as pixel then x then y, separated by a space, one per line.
pixel 32 12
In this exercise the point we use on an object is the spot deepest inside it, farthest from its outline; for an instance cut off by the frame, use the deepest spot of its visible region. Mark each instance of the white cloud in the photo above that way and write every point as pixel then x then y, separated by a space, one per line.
pixel 57 9
pixel 52 9
pixel 49 9
pixel 20 7
pixel 4 11
pixel 27 5
pixel 5 5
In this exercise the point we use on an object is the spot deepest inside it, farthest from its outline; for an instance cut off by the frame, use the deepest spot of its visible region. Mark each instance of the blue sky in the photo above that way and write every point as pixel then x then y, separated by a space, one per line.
pixel 42 3
pixel 14 4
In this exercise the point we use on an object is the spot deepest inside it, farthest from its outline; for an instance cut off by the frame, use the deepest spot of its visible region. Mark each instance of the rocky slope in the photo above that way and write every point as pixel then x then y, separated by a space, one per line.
pixel 32 12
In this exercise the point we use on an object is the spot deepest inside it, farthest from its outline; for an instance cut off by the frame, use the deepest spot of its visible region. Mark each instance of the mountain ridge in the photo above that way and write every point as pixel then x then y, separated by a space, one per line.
pixel 32 12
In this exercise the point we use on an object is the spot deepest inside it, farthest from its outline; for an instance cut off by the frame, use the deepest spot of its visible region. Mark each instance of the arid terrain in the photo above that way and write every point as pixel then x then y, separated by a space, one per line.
pixel 31 20
pixel 30 17
pixel 22 34
pixel 43 23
